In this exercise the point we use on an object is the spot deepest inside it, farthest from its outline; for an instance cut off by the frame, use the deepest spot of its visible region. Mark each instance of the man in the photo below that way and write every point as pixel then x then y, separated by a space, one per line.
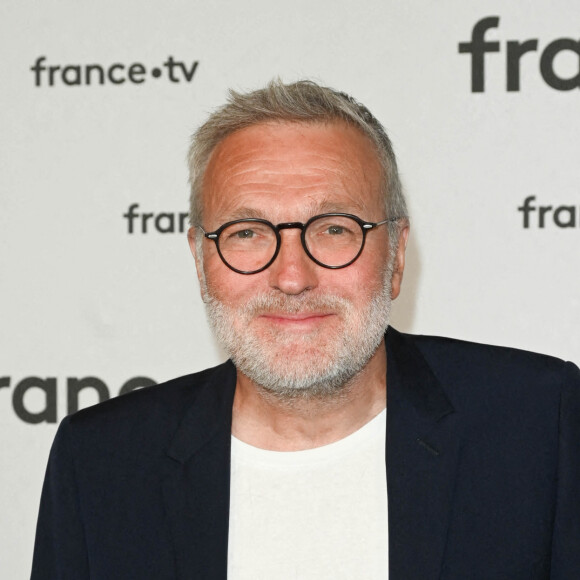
pixel 272 465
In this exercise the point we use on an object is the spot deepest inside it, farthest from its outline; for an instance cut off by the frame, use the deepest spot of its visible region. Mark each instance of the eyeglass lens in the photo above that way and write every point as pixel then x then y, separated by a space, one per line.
pixel 331 240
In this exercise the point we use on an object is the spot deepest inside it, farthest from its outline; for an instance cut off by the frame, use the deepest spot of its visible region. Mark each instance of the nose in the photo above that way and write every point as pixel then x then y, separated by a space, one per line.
pixel 292 272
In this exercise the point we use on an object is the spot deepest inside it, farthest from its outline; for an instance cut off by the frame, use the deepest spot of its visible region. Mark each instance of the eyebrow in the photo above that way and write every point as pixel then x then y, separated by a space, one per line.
pixel 246 212
pixel 330 206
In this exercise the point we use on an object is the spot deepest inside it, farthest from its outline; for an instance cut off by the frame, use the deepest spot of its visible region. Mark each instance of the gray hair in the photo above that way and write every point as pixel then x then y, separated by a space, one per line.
pixel 302 102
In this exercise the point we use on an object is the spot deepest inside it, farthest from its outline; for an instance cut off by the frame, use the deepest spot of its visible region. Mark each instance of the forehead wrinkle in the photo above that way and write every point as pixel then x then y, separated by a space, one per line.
pixel 266 179
pixel 272 174
pixel 274 166
pixel 235 164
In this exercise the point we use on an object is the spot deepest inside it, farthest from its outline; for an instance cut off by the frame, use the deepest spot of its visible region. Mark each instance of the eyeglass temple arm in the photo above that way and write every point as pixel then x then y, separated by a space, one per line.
pixel 209 236
pixel 371 225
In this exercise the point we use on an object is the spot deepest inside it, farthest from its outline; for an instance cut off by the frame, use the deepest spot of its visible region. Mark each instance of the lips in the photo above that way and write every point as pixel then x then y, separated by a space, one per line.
pixel 296 317
pixel 303 321
pixel 293 310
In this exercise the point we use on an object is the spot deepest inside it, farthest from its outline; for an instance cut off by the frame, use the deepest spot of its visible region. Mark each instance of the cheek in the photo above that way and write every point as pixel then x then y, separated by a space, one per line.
pixel 366 275
pixel 228 286
pixel 216 275
pixel 351 283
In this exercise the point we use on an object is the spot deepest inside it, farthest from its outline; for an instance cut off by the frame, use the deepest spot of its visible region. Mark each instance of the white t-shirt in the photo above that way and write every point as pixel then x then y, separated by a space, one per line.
pixel 315 514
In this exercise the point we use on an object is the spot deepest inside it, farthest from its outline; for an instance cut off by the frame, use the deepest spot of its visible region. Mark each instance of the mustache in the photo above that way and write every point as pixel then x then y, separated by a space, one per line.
pixel 263 304
pixel 288 304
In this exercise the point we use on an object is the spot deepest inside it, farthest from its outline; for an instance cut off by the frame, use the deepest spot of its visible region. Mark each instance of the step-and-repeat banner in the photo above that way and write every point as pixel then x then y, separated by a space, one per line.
pixel 98 99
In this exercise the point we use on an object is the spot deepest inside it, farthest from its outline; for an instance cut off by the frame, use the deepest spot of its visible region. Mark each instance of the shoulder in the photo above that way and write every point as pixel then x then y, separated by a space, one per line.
pixel 150 414
pixel 465 355
pixel 460 356
pixel 476 373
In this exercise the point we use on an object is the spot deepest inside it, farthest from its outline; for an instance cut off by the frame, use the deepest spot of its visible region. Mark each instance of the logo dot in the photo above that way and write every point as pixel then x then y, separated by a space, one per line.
pixel 156 72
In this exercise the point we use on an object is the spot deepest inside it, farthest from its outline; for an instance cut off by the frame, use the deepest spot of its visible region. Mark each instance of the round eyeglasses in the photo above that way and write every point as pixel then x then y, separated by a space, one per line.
pixel 331 240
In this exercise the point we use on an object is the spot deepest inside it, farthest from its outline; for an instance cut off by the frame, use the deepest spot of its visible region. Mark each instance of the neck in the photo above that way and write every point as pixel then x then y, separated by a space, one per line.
pixel 265 420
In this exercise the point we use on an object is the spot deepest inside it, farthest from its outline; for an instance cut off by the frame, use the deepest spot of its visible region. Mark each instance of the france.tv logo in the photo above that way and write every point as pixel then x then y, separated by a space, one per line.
pixel 50 75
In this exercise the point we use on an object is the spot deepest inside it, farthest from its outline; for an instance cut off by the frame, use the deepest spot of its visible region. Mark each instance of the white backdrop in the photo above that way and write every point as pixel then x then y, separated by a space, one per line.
pixel 82 297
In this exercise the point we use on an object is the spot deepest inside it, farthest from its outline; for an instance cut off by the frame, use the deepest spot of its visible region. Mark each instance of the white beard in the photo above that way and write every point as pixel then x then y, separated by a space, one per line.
pixel 319 364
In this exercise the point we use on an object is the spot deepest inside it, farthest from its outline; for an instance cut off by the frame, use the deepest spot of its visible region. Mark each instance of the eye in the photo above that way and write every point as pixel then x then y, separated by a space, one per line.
pixel 335 227
pixel 335 230
pixel 244 234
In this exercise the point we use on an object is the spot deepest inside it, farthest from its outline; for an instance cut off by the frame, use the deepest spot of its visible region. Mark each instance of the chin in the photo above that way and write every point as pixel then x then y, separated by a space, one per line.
pixel 302 371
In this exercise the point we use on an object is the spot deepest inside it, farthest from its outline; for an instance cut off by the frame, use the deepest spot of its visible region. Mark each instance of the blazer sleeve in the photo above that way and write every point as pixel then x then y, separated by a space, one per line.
pixel 566 539
pixel 60 549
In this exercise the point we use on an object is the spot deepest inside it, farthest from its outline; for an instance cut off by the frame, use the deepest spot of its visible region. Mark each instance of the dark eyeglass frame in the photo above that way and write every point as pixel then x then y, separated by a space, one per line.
pixel 364 225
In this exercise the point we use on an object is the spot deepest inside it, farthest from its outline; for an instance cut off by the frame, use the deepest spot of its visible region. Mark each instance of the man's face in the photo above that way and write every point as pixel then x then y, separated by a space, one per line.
pixel 297 327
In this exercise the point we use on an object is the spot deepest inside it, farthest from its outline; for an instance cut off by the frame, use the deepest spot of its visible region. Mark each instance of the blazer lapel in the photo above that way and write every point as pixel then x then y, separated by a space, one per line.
pixel 421 454
pixel 196 486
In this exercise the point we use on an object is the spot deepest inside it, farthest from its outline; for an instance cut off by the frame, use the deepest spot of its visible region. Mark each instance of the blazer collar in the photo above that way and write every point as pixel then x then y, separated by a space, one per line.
pixel 209 415
pixel 421 456
pixel 196 486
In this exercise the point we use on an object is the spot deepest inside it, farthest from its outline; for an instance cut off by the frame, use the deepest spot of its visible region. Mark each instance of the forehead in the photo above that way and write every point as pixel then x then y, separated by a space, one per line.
pixel 292 168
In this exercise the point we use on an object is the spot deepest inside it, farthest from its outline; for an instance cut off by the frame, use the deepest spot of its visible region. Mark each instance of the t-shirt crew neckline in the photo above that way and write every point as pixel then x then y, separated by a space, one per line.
pixel 350 443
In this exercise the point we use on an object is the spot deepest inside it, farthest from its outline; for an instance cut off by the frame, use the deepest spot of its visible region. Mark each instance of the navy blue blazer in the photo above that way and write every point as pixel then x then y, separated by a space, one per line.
pixel 483 472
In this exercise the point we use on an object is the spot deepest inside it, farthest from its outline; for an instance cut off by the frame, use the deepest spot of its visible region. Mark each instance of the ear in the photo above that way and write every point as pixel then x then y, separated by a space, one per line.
pixel 399 263
pixel 191 234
